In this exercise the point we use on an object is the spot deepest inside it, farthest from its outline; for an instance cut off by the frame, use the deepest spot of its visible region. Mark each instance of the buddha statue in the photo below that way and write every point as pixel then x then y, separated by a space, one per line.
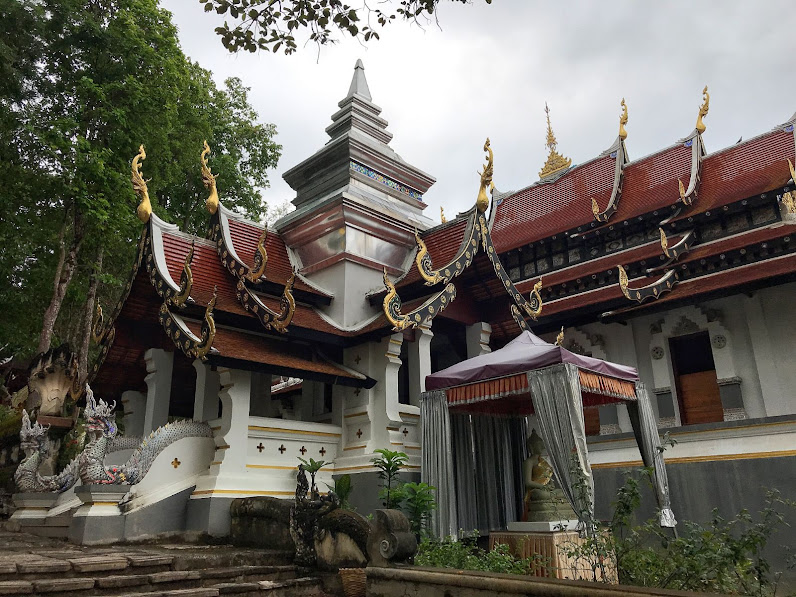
pixel 543 502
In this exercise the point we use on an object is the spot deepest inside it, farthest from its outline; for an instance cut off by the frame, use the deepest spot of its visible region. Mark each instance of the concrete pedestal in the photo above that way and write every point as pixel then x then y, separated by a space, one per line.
pixel 32 514
pixel 550 547
pixel 98 519
pixel 538 527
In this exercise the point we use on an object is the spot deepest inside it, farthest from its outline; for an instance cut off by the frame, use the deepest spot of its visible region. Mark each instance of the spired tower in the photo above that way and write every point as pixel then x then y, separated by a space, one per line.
pixel 357 206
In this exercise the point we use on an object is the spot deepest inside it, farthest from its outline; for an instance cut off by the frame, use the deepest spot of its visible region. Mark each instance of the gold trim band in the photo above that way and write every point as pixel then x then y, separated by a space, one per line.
pixel 687 459
pixel 295 431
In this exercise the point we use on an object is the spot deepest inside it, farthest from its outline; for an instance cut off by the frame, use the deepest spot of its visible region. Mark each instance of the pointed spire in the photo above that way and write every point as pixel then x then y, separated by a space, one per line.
pixel 359 84
pixel 555 161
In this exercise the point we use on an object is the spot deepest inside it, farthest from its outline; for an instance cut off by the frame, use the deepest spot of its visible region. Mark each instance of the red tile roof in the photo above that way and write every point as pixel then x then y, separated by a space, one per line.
pixel 246 235
pixel 542 210
pixel 443 242
pixel 260 349
pixel 743 170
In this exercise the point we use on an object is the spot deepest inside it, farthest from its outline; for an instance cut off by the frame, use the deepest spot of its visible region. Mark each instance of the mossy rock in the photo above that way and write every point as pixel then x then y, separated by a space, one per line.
pixel 261 522
pixel 349 522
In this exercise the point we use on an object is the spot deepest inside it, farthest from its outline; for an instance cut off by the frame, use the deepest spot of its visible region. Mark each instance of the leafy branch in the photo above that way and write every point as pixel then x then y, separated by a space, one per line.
pixel 271 25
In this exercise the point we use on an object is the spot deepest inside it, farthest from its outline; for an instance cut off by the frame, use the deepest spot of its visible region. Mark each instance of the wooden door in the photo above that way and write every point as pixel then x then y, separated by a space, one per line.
pixel 698 393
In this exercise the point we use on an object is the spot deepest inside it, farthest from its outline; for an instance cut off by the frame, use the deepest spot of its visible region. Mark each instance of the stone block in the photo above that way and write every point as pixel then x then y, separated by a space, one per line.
pixel 51 585
pixel 16 587
pixel 140 560
pixel 174 576
pixel 118 582
pixel 98 564
pixel 43 566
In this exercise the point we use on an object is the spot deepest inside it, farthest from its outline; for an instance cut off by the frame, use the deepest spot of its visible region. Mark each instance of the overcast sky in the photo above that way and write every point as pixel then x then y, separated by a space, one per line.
pixel 488 70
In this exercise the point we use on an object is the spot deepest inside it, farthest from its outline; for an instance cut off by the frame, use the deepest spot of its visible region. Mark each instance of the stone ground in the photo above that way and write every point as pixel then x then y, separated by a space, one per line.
pixel 32 565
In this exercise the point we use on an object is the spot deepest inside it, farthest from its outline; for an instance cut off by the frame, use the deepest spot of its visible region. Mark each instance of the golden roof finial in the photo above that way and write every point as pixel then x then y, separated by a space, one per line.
pixel 442 217
pixel 555 161
pixel 703 110
pixel 792 171
pixel 560 337
pixel 623 121
pixel 139 186
pixel 209 181
pixel 482 202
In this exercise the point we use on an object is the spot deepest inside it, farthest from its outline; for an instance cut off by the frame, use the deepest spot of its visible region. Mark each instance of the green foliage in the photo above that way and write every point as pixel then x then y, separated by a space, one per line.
pixel 342 488
pixel 390 463
pixel 72 444
pixel 82 85
pixel 723 556
pixel 272 25
pixel 419 503
pixel 313 466
pixel 466 555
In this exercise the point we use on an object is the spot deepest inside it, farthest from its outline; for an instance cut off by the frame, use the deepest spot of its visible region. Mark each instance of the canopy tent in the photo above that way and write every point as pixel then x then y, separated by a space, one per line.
pixel 531 376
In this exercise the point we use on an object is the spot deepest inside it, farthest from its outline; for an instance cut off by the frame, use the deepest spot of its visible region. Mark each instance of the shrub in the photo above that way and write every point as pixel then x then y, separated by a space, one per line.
pixel 466 555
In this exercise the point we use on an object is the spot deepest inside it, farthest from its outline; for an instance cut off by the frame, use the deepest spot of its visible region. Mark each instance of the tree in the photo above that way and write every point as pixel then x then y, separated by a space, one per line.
pixel 272 24
pixel 84 83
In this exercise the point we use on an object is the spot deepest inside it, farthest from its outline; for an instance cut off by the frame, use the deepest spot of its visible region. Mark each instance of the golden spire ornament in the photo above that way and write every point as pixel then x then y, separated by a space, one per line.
pixel 139 186
pixel 555 161
pixel 703 110
pixel 482 201
pixel 442 217
pixel 209 181
pixel 623 121
pixel 560 337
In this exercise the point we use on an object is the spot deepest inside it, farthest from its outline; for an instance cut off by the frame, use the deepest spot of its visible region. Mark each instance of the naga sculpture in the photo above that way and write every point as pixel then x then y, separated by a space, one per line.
pixel 36 446
pixel 89 466
pixel 101 430
pixel 304 516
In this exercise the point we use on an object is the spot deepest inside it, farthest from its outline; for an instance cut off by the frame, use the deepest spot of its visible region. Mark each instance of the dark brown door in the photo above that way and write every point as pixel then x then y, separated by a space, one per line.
pixel 695 377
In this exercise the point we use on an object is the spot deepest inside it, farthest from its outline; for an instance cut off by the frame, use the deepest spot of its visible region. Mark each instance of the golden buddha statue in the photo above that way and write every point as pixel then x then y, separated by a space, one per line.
pixel 543 502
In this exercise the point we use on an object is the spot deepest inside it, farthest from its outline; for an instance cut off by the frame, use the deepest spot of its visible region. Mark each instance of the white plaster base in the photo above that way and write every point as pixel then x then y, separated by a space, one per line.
pixel 33 507
pixel 542 527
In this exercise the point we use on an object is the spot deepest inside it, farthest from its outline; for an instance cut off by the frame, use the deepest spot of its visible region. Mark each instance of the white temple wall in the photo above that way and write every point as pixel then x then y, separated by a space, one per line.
pixel 779 319
pixel 349 282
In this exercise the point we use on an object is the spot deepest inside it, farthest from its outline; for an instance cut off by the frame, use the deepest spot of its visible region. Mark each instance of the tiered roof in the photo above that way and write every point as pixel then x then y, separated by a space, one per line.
pixel 683 224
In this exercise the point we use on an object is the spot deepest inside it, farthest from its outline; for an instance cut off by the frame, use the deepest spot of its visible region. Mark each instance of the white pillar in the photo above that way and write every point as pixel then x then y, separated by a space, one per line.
pixel 419 363
pixel 765 360
pixel 231 437
pixel 159 365
pixel 205 403
pixel 134 404
pixel 477 338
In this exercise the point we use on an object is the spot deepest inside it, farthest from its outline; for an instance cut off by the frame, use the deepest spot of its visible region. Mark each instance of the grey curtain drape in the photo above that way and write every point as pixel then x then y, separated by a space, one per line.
pixel 464 471
pixel 557 402
pixel 649 443
pixel 437 462
pixel 488 453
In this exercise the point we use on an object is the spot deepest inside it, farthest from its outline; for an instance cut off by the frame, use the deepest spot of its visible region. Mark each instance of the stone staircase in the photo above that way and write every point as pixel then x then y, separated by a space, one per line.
pixel 151 571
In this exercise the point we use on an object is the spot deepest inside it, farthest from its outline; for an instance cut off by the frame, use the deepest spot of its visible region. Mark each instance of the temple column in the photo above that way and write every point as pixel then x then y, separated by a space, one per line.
pixel 159 366
pixel 134 404
pixel 477 338
pixel 210 501
pixel 205 403
pixel 765 359
pixel 419 363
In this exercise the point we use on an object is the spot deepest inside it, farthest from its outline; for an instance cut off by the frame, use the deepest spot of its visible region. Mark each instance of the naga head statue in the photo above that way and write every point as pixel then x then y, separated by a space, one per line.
pixel 100 420
pixel 33 437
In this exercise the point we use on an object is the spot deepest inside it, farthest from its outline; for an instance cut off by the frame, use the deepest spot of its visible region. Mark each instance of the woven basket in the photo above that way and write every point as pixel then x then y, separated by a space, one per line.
pixel 353 581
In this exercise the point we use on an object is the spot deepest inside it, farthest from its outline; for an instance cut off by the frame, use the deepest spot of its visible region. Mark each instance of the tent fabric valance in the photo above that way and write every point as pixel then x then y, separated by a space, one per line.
pixel 526 352
pixel 594 386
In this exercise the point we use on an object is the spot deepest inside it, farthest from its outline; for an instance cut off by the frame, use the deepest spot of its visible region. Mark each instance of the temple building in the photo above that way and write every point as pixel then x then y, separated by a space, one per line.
pixel 313 338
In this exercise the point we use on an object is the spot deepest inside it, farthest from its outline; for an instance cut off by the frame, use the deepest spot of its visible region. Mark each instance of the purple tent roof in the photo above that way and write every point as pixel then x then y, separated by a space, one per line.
pixel 525 353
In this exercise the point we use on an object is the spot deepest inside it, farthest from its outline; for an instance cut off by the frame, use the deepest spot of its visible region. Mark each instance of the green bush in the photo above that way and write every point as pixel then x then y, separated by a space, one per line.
pixel 342 488
pixel 466 555
pixel 723 556
pixel 418 504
